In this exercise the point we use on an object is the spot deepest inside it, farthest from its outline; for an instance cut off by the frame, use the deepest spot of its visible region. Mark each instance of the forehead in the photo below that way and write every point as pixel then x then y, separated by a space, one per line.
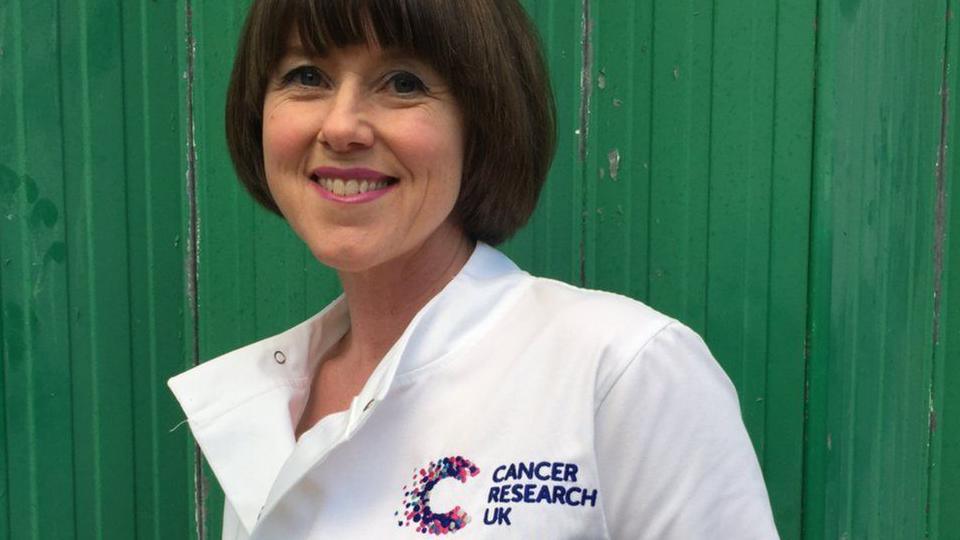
pixel 295 49
pixel 340 25
pixel 295 46
pixel 436 33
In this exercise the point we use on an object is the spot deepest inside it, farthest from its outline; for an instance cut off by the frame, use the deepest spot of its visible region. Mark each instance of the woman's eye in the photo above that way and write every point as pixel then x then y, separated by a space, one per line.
pixel 406 83
pixel 304 76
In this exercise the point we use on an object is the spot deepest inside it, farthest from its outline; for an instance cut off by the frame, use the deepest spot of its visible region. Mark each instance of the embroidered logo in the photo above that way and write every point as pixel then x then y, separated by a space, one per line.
pixel 543 482
pixel 524 483
pixel 416 509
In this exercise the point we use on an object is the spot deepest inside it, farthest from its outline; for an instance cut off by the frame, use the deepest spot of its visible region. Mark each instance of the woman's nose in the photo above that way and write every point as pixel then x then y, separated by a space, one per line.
pixel 345 125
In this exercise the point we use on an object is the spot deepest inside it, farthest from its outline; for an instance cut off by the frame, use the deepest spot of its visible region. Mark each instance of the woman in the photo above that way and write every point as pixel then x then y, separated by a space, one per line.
pixel 446 391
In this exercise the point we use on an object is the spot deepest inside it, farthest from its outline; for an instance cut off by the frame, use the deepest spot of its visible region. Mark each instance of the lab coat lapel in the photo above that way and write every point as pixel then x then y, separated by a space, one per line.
pixel 250 399
pixel 457 315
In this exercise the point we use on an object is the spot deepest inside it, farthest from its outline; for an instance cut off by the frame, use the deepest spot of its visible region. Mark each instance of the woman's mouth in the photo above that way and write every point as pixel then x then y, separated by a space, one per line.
pixel 351 185
pixel 342 187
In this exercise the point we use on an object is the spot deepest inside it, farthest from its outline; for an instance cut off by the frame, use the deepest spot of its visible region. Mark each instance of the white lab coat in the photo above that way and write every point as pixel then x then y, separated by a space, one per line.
pixel 511 407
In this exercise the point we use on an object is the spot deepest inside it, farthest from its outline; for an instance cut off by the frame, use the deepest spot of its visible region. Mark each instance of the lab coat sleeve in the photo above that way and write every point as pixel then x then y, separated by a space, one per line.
pixel 674 458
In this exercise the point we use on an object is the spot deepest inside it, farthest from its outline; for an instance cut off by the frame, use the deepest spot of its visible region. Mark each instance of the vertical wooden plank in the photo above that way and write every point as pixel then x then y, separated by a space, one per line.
pixel 4 462
pixel 226 212
pixel 155 161
pixel 944 497
pixel 740 193
pixel 550 245
pixel 197 472
pixel 786 302
pixel 11 167
pixel 878 117
pixel 618 176
pixel 680 165
pixel 7 182
pixel 36 352
pixel 96 208
pixel 225 280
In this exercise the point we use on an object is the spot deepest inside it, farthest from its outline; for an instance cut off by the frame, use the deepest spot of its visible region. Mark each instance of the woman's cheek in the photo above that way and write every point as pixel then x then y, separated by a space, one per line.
pixel 286 136
pixel 282 147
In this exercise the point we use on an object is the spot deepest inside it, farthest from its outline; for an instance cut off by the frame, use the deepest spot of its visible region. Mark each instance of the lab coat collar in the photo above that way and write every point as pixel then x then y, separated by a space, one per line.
pixel 458 313
pixel 243 406
pixel 251 399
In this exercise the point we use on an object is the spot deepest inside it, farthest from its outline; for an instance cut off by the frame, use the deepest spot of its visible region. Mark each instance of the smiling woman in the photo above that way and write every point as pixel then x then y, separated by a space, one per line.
pixel 337 125
pixel 401 139
pixel 485 56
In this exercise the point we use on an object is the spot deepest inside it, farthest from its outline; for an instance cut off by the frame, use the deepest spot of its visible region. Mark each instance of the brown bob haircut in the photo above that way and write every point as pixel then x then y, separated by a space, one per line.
pixel 487 50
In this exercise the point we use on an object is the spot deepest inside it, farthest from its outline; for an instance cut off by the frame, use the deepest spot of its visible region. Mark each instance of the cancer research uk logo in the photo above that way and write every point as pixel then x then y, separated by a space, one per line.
pixel 530 482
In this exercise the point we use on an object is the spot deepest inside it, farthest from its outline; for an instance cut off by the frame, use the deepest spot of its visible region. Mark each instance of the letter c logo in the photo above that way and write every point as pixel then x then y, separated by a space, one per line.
pixel 416 509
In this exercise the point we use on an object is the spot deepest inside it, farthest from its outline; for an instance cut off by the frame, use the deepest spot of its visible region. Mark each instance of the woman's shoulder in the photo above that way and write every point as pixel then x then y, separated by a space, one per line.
pixel 606 332
pixel 604 314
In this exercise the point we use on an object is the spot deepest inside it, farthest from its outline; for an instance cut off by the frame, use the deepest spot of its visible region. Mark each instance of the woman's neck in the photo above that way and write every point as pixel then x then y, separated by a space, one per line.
pixel 383 300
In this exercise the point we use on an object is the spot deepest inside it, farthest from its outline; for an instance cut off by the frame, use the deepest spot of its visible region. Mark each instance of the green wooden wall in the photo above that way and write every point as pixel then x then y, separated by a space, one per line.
pixel 881 454
pixel 92 250
pixel 777 173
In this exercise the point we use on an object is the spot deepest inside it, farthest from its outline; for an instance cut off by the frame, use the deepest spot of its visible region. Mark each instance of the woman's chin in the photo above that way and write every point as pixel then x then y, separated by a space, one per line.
pixel 349 259
pixel 378 254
